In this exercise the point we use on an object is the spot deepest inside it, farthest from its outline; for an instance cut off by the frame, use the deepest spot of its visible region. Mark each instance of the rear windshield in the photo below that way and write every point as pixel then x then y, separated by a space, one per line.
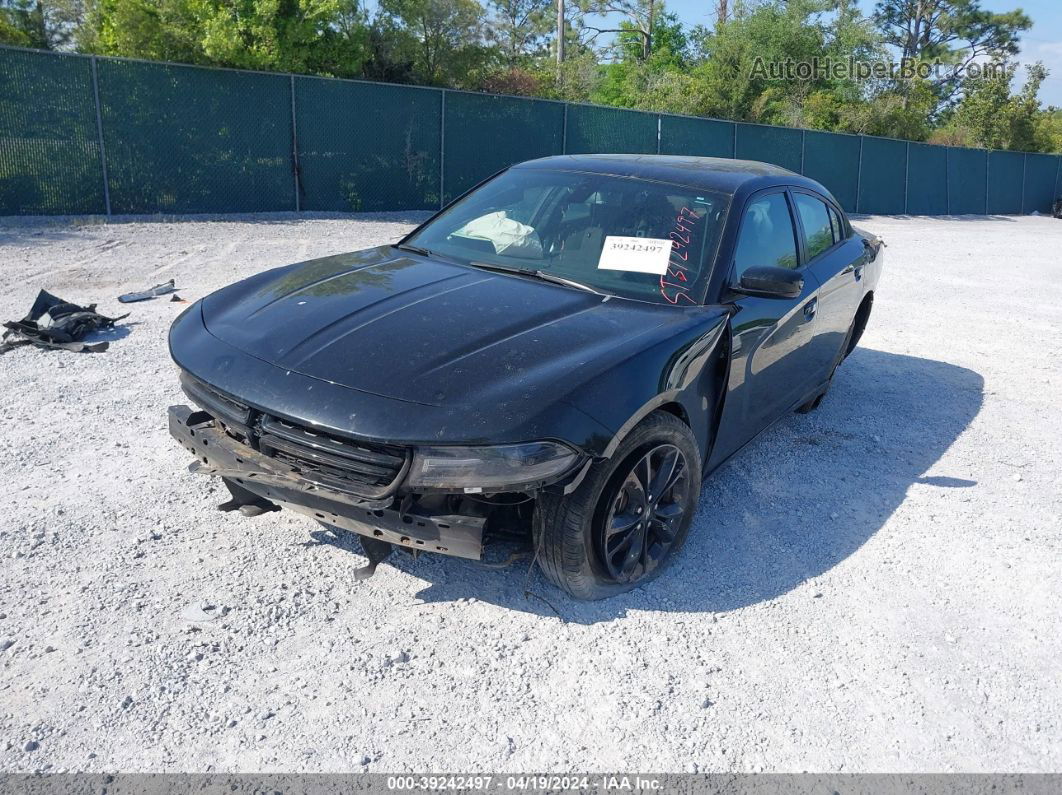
pixel 628 237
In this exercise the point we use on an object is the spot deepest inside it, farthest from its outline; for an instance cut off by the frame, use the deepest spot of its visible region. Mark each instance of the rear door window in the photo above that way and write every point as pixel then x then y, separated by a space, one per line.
pixel 815 221
pixel 839 232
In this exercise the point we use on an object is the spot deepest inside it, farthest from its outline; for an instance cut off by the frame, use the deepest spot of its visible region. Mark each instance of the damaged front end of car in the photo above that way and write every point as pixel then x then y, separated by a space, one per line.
pixel 450 500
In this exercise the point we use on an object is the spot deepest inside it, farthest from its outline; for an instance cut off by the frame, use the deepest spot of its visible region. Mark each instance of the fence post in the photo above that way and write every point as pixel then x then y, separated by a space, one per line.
pixel 859 172
pixel 733 141
pixel 1058 172
pixel 658 125
pixel 442 149
pixel 803 144
pixel 294 147
pixel 907 178
pixel 947 180
pixel 99 136
pixel 564 132
pixel 988 169
pixel 1024 166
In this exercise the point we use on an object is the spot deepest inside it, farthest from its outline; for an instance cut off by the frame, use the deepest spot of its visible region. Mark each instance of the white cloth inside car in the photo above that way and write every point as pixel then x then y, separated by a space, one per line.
pixel 507 235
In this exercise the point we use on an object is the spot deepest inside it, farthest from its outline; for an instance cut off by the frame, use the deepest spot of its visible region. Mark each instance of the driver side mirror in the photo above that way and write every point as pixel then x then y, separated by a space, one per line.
pixel 769 281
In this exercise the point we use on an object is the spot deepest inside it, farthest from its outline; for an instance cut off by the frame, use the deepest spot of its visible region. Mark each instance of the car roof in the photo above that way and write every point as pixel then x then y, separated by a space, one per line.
pixel 720 174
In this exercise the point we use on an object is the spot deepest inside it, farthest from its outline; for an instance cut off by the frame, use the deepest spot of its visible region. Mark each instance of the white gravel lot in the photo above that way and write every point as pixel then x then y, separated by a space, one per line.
pixel 872 587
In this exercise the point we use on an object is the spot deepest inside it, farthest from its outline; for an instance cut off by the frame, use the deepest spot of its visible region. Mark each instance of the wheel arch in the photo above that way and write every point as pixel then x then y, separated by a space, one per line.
pixel 862 315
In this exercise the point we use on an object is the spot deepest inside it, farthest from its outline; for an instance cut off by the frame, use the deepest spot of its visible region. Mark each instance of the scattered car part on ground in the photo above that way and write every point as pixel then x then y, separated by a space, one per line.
pixel 558 355
pixel 57 324
pixel 146 295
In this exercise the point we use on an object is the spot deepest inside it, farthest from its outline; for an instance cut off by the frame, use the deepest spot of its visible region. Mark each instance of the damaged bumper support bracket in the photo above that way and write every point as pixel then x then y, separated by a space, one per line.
pixel 219 455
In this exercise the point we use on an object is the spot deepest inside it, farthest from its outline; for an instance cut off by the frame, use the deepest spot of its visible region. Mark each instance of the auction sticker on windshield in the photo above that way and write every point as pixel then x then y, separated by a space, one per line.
pixel 637 254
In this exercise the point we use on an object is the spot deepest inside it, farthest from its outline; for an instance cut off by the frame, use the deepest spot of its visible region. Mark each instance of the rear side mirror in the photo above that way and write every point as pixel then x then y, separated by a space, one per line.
pixel 770 282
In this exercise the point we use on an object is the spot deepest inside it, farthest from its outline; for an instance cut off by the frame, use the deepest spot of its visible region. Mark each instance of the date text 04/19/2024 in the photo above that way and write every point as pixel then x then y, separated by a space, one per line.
pixel 521 783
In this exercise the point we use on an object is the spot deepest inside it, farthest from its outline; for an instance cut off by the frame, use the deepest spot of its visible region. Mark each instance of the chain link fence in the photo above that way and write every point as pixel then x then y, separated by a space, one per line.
pixel 85 134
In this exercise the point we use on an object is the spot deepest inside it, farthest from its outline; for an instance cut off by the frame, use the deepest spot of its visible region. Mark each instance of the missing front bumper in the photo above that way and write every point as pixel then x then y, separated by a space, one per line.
pixel 219 455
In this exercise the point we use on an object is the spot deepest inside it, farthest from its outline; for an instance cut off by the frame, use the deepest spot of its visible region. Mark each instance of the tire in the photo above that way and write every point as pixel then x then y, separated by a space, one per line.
pixel 569 530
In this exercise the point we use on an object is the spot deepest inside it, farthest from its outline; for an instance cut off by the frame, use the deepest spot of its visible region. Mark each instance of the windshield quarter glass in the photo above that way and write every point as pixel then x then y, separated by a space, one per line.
pixel 629 237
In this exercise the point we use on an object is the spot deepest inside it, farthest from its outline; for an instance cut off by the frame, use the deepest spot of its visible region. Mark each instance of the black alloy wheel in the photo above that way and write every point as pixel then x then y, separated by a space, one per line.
pixel 646 514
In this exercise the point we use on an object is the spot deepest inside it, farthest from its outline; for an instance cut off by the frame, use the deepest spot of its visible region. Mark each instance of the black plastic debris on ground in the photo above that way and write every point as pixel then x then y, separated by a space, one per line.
pixel 146 295
pixel 57 324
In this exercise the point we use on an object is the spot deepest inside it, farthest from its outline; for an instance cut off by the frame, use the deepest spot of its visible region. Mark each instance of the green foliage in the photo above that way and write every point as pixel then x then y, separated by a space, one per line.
pixel 447 37
pixel 305 36
pixel 519 28
pixel 990 116
pixel 42 24
pixel 952 34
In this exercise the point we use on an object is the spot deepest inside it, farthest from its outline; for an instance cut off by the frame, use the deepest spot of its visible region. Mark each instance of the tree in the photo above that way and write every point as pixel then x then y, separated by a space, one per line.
pixel 43 24
pixel 637 18
pixel 518 28
pixel 654 83
pixel 952 33
pixel 990 116
pixel 448 33
pixel 734 56
pixel 305 36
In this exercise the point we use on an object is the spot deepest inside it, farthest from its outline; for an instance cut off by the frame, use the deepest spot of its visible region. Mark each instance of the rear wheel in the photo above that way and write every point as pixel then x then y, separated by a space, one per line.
pixel 629 517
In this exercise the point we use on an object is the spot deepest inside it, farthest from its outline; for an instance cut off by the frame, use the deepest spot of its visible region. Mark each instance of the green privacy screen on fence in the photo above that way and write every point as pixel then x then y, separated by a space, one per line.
pixel 486 133
pixel 49 144
pixel 778 145
pixel 112 135
pixel 882 176
pixel 367 147
pixel 927 180
pixel 1005 181
pixel 1039 184
pixel 685 135
pixel 591 129
pixel 833 160
pixel 967 176
pixel 182 139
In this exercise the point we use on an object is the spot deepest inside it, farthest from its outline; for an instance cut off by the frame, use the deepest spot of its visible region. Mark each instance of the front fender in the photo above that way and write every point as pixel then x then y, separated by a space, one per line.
pixel 682 371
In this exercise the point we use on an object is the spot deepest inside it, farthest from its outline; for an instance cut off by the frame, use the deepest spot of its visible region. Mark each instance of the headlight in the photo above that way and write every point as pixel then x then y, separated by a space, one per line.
pixel 475 469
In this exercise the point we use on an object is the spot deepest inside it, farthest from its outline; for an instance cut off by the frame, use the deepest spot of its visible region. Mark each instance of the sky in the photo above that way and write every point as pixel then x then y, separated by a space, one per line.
pixel 1043 41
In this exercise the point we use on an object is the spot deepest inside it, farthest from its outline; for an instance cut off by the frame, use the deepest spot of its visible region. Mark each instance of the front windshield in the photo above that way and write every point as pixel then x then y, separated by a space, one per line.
pixel 618 235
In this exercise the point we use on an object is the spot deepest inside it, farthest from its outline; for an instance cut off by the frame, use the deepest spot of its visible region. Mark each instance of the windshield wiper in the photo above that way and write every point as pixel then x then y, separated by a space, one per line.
pixel 542 275
pixel 427 252
pixel 424 252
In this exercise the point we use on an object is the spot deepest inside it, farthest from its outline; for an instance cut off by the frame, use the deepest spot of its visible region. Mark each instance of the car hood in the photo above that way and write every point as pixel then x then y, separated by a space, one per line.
pixel 430 332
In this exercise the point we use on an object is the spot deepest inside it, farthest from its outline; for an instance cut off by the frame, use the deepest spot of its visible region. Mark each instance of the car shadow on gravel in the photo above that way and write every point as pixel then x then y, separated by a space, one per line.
pixel 791 506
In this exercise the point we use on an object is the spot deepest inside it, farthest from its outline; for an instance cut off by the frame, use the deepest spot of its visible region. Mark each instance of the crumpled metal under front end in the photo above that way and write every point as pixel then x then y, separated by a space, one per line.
pixel 281 480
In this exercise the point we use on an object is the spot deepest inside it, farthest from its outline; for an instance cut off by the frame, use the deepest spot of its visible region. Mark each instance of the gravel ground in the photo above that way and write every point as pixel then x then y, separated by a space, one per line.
pixel 871 587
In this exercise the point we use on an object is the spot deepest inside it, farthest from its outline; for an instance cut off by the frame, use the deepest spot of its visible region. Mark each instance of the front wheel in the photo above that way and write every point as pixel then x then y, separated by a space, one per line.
pixel 629 517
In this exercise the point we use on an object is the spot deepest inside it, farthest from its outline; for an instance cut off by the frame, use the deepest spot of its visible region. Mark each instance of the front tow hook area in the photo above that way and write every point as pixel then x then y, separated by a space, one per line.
pixel 250 504
pixel 246 502
pixel 377 552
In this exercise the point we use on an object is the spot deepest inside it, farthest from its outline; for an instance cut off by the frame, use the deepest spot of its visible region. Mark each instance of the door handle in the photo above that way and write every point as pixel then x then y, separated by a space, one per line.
pixel 810 307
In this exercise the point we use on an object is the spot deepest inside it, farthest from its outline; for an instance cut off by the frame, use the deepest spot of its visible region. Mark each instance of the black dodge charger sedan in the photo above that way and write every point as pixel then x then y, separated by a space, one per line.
pixel 561 354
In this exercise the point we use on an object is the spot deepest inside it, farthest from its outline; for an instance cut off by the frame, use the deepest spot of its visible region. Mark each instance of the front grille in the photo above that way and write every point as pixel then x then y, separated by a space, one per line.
pixel 234 414
pixel 360 468
pixel 331 461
